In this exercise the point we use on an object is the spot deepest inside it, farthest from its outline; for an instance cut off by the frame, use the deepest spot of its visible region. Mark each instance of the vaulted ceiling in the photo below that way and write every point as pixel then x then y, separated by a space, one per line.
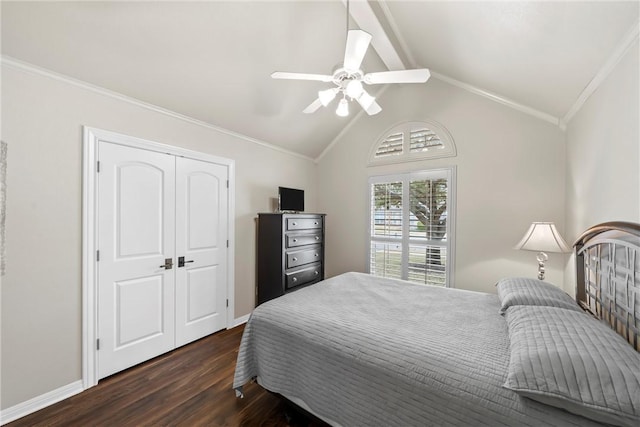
pixel 212 61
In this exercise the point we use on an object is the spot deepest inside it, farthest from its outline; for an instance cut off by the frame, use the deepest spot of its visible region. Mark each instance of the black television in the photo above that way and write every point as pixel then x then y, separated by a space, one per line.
pixel 290 199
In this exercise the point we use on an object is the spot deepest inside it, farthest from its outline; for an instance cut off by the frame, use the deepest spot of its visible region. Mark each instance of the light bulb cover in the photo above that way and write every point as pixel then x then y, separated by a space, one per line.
pixel 354 89
pixel 326 96
pixel 343 108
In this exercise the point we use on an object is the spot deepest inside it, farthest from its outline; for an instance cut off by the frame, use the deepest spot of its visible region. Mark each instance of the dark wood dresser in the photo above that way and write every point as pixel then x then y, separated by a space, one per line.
pixel 290 252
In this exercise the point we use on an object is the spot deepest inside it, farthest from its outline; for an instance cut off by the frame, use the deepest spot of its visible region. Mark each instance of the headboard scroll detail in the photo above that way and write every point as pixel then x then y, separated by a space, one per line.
pixel 608 276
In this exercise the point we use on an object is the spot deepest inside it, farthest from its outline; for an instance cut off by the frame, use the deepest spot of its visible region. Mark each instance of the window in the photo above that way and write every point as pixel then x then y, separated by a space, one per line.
pixel 411 226
pixel 412 141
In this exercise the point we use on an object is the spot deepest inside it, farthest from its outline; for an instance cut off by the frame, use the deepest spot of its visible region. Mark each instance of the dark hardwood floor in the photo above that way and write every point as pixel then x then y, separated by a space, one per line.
pixel 190 386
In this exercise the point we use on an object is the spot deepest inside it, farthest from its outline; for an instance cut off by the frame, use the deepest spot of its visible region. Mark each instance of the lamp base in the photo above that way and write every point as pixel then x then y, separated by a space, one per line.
pixel 542 258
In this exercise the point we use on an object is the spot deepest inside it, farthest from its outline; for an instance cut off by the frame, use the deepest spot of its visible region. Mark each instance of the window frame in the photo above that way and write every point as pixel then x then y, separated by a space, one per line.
pixel 448 148
pixel 449 173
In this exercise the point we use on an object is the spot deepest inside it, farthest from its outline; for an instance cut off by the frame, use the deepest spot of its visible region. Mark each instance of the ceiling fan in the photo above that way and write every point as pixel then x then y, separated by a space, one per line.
pixel 349 78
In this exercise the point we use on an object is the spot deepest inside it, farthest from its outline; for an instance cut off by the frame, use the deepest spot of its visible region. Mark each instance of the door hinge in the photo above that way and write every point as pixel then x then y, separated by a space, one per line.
pixel 98 344
pixel 227 243
pixel 97 255
pixel 227 303
pixel 98 166
pixel 227 183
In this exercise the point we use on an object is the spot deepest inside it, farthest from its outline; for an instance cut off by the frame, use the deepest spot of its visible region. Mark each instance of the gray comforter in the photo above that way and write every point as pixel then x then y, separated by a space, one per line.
pixel 358 350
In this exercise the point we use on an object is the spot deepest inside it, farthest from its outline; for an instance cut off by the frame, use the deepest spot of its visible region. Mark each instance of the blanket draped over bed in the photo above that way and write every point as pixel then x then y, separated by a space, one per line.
pixel 360 350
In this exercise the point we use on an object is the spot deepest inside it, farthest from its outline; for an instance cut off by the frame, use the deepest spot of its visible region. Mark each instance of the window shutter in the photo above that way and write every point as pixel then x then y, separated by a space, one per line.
pixel 386 225
pixel 409 226
pixel 409 141
pixel 422 140
pixel 386 260
pixel 391 146
pixel 427 264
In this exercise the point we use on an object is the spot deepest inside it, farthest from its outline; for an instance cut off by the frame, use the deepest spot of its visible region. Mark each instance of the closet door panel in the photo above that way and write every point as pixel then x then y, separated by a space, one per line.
pixel 136 205
pixel 201 241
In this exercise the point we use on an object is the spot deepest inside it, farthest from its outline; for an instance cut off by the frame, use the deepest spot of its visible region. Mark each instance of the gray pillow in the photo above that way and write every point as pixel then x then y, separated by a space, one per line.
pixel 525 291
pixel 572 361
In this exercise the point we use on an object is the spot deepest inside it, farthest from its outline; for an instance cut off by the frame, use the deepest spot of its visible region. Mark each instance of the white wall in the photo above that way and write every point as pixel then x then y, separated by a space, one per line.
pixel 42 122
pixel 603 154
pixel 510 172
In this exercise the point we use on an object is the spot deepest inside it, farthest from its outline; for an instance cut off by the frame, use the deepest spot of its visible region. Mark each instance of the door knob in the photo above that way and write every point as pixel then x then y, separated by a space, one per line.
pixel 182 262
pixel 168 263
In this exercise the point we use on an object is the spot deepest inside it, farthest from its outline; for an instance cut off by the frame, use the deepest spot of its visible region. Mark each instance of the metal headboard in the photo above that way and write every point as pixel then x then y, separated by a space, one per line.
pixel 608 276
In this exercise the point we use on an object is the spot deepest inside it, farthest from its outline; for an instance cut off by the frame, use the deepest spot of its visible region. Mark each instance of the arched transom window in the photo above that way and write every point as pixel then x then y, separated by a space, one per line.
pixel 410 141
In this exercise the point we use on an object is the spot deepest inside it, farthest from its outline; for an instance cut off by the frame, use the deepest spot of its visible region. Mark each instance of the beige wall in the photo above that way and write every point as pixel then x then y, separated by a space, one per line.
pixel 510 172
pixel 42 121
pixel 603 154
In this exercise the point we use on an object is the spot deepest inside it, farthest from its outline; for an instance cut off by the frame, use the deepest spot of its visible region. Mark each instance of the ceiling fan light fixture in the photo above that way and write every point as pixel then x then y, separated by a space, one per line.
pixel 326 96
pixel 349 77
pixel 354 89
pixel 343 108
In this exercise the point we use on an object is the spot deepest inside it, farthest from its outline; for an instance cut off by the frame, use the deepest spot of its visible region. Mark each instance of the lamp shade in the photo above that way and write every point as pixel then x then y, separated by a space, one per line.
pixel 343 108
pixel 543 237
pixel 354 89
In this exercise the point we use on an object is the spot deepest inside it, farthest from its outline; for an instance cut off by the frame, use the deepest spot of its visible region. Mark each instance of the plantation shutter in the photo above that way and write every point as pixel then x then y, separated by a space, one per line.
pixel 409 228
pixel 392 145
pixel 411 141
pixel 386 226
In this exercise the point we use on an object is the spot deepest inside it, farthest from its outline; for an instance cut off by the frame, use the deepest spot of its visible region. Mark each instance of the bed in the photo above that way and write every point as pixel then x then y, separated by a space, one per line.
pixel 359 350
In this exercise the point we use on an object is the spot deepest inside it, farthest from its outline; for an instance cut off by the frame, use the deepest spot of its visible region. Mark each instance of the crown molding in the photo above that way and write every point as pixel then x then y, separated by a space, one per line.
pixel 623 47
pixel 498 98
pixel 466 86
pixel 34 69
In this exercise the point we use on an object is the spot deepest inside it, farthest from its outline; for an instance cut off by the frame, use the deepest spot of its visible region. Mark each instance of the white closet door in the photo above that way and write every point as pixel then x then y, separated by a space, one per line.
pixel 201 238
pixel 136 219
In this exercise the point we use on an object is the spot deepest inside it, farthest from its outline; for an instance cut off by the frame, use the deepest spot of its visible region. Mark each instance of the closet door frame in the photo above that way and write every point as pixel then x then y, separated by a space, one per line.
pixel 91 138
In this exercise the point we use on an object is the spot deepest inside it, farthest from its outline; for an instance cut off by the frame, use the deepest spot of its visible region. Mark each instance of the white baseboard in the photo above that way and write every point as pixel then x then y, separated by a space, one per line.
pixel 240 320
pixel 32 405
pixel 54 396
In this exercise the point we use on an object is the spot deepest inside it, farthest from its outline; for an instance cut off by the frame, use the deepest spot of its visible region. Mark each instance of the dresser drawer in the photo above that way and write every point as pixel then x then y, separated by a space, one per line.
pixel 294 240
pixel 306 256
pixel 303 223
pixel 304 276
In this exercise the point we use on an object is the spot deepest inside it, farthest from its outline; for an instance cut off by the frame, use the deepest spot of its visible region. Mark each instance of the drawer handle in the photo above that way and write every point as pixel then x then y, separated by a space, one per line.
pixel 315 223
pixel 294 259
pixel 317 255
pixel 294 223
pixel 316 272
pixel 295 279
pixel 295 240
pixel 317 237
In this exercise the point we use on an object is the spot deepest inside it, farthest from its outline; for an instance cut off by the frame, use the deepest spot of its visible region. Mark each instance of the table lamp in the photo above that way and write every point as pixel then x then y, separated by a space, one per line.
pixel 543 237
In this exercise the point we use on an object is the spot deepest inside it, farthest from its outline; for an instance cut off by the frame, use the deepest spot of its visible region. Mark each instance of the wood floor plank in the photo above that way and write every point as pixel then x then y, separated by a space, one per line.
pixel 190 386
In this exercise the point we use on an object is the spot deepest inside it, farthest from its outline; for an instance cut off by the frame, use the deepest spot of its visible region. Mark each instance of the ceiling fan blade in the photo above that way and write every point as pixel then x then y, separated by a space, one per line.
pixel 301 76
pixel 313 107
pixel 369 104
pixel 357 45
pixel 403 76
